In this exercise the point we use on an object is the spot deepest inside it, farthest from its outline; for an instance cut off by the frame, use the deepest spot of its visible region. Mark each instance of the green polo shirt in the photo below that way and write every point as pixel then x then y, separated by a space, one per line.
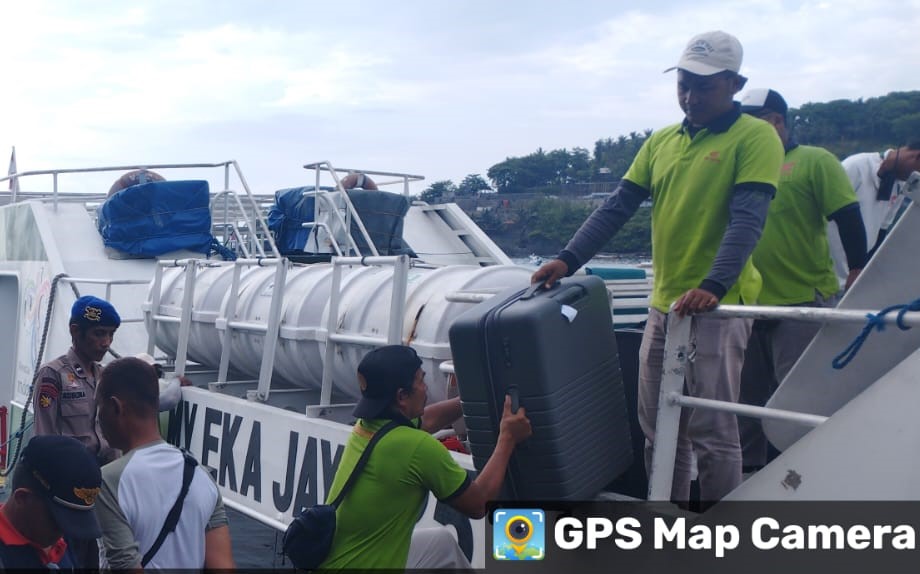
pixel 375 520
pixel 793 254
pixel 691 181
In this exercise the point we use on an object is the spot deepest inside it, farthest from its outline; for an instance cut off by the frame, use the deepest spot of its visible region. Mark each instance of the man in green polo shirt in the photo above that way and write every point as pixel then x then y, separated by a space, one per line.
pixel 794 259
pixel 711 179
pixel 375 521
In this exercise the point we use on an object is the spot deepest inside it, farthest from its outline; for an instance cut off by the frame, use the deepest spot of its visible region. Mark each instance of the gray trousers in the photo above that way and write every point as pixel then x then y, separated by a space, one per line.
pixel 714 373
pixel 773 349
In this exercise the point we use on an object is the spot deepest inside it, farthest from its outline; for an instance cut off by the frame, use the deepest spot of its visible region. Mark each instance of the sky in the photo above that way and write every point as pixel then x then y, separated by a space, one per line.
pixel 435 88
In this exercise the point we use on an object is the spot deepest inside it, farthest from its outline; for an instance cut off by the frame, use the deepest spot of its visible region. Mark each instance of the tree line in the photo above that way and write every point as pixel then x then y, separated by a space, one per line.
pixel 842 126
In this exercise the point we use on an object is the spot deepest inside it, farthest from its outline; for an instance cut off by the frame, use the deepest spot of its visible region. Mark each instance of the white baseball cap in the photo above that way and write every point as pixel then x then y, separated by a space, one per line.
pixel 710 53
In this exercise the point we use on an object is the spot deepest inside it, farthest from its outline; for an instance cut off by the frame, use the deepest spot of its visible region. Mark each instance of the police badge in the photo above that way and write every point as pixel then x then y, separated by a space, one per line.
pixel 92 313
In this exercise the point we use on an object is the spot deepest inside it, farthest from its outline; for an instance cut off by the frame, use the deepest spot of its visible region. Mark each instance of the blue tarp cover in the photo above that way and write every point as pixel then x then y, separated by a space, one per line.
pixel 287 216
pixel 157 217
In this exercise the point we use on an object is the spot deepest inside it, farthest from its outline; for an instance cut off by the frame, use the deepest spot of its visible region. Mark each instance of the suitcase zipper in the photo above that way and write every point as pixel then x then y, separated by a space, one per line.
pixel 486 322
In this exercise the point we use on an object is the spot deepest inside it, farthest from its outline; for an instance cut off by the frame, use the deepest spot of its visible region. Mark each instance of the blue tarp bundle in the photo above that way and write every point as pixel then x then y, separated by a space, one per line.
pixel 157 217
pixel 287 216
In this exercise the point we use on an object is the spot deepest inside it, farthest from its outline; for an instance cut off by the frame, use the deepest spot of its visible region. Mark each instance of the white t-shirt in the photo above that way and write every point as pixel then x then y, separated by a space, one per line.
pixel 862 168
pixel 138 491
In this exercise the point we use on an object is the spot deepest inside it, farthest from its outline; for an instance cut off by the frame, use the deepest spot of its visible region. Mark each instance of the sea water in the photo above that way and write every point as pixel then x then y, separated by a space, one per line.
pixel 255 545
pixel 600 260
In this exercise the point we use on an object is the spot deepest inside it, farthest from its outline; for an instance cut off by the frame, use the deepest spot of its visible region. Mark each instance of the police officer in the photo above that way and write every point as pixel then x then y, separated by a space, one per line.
pixel 65 392
pixel 64 399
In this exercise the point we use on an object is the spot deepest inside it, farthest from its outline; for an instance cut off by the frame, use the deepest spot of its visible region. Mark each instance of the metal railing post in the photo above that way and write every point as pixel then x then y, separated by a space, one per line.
pixel 332 320
pixel 185 321
pixel 153 324
pixel 674 367
pixel 398 299
pixel 271 334
pixel 55 200
pixel 224 366
pixel 394 326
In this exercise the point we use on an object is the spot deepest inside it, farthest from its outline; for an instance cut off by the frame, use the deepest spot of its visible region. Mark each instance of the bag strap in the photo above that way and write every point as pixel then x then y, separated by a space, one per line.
pixel 172 519
pixel 363 460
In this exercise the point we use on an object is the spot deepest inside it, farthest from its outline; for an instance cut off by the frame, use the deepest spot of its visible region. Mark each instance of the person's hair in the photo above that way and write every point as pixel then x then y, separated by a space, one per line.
pixel 133 381
pixel 392 409
pixel 82 327
pixel 733 77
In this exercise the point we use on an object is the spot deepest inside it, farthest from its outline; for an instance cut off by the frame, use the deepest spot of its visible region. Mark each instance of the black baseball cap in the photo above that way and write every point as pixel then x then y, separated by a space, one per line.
pixel 69 478
pixel 381 373
pixel 756 102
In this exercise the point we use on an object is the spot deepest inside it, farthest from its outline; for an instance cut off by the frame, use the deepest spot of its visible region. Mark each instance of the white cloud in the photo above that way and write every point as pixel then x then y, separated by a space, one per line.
pixel 439 89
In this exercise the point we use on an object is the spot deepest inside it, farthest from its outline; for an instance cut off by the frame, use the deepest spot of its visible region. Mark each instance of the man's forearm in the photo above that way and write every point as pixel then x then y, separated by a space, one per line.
pixel 603 224
pixel 493 473
pixel 441 414
pixel 748 214
pixel 852 231
pixel 218 549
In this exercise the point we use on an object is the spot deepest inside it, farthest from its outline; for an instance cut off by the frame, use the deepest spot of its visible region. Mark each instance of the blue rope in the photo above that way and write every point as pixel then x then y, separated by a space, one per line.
pixel 876 321
pixel 18 434
pixel 225 252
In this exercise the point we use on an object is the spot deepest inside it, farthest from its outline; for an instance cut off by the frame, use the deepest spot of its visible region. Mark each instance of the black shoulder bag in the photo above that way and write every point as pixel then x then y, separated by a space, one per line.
pixel 172 519
pixel 308 539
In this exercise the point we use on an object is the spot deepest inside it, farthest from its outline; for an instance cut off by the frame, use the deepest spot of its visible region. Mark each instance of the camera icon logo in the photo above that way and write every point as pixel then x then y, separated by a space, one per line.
pixel 518 534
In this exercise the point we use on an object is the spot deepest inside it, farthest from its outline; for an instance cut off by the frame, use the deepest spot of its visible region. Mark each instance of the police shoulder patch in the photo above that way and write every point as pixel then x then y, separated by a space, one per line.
pixel 47 393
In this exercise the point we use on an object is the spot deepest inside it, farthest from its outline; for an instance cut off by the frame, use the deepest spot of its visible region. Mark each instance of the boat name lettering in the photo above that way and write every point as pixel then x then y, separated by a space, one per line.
pixel 222 433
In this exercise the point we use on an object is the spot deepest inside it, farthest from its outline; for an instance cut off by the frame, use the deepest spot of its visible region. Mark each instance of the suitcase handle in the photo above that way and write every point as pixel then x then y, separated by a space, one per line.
pixel 532 290
pixel 515 398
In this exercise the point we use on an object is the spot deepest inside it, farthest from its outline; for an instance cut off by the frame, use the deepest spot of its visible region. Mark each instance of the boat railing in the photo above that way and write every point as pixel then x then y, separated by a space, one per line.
pixel 324 199
pixel 242 222
pixel 326 203
pixel 336 336
pixel 109 283
pixel 227 323
pixel 325 166
pixel 679 353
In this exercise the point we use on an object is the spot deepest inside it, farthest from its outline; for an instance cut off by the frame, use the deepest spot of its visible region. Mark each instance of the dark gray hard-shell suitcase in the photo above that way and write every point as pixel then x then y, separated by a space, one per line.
pixel 555 352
